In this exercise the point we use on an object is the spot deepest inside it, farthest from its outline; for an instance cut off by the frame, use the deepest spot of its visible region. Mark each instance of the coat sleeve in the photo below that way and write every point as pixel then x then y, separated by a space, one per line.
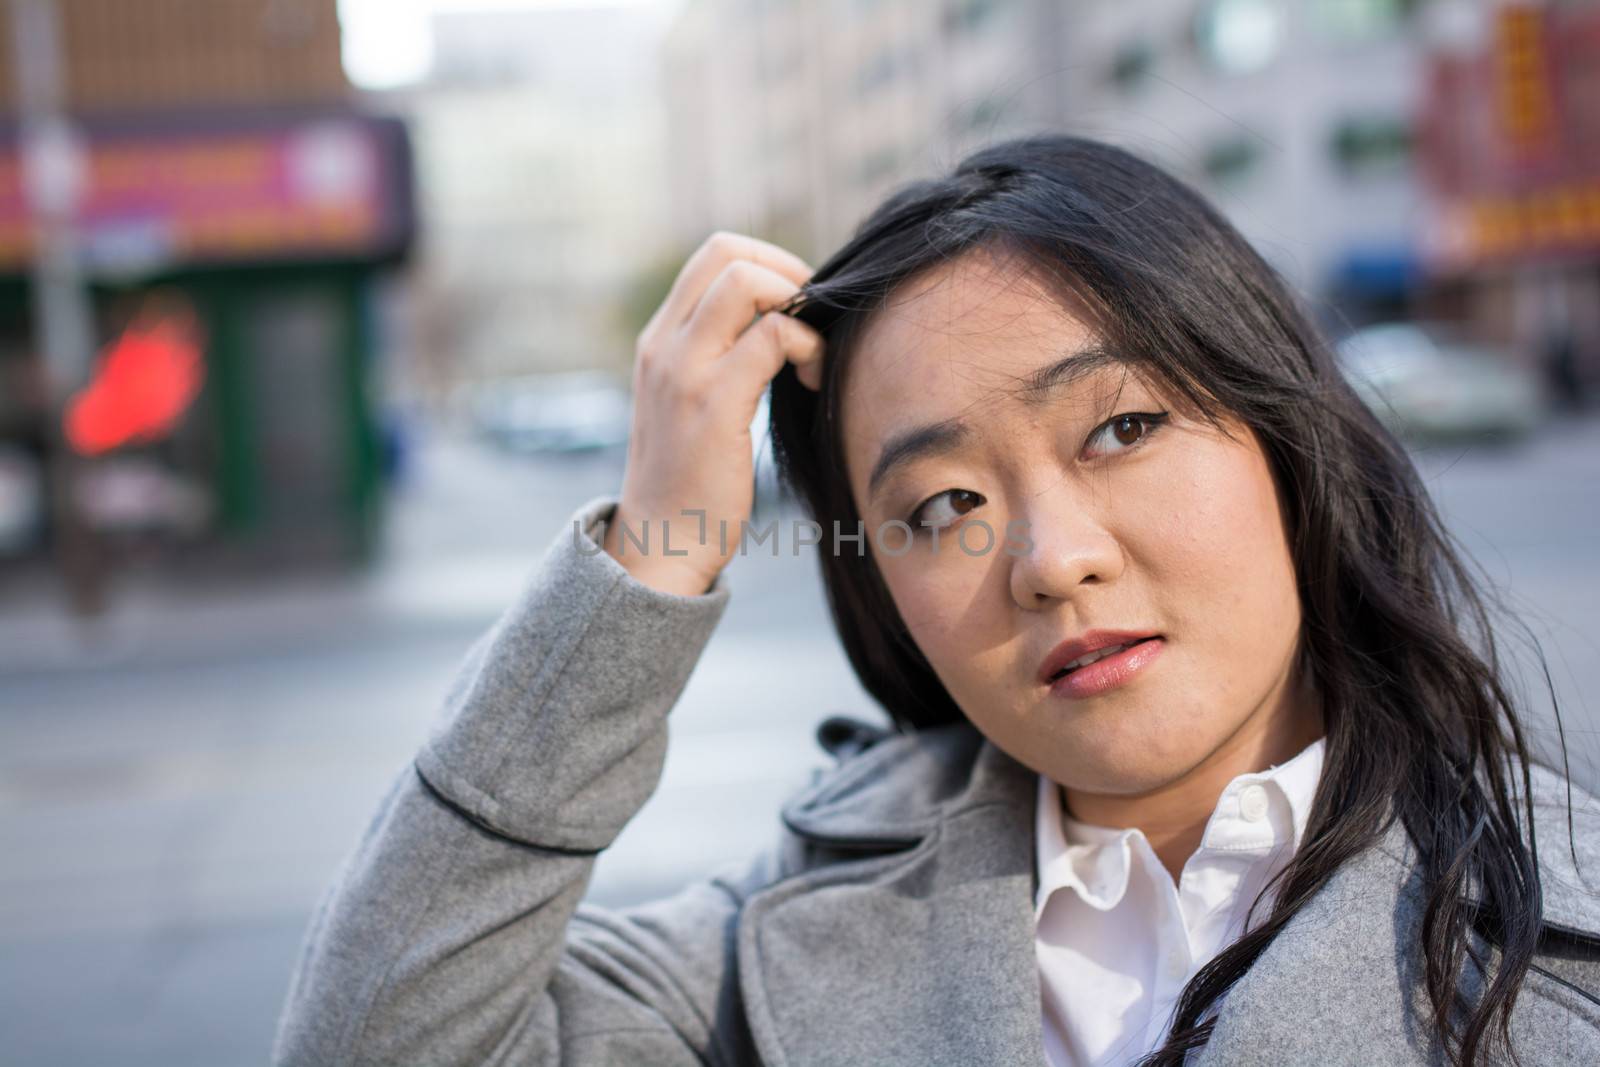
pixel 452 934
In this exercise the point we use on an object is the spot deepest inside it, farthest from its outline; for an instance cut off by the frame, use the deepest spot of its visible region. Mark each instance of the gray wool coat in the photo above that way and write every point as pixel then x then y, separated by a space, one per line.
pixel 891 923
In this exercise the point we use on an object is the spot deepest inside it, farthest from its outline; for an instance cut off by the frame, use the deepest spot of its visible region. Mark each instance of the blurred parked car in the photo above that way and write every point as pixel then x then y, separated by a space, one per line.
pixel 564 412
pixel 21 500
pixel 1425 382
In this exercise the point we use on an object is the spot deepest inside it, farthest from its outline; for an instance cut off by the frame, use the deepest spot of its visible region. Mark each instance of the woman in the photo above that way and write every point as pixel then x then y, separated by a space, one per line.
pixel 1054 408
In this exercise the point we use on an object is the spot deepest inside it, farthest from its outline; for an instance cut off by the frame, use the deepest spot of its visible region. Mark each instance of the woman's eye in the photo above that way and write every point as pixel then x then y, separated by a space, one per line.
pixel 942 509
pixel 1129 430
pixel 1125 433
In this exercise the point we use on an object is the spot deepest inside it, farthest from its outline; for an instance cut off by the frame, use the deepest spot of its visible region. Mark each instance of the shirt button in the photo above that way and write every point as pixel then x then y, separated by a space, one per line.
pixel 1253 803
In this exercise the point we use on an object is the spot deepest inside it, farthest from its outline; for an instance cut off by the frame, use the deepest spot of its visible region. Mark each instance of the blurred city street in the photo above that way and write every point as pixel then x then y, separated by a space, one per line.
pixel 318 319
pixel 170 815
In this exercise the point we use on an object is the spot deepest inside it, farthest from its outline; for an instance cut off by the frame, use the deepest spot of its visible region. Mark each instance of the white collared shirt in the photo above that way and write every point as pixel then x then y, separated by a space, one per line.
pixel 1117 940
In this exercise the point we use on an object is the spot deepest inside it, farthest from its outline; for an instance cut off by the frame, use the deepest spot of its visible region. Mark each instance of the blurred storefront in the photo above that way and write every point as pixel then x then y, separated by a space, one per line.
pixel 265 230
pixel 1511 146
pixel 236 217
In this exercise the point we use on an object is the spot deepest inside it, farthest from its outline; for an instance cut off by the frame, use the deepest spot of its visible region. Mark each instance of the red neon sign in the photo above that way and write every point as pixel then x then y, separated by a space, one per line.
pixel 145 380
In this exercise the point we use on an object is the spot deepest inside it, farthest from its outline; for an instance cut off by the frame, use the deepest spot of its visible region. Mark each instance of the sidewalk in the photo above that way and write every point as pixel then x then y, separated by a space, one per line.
pixel 460 537
pixel 167 621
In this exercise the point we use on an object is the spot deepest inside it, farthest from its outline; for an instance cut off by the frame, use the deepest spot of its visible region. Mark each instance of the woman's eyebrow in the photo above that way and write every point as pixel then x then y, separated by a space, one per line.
pixel 937 438
pixel 1044 383
pixel 933 439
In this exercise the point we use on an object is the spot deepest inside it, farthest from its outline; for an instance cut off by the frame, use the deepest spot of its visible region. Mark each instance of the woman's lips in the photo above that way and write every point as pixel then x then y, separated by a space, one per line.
pixel 1108 673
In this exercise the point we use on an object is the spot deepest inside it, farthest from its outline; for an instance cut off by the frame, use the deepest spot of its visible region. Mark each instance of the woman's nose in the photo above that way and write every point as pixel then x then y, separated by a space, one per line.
pixel 1054 552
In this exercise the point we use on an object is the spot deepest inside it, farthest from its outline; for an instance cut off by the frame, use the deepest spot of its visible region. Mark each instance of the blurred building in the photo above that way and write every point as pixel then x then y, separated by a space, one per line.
pixel 234 212
pixel 1296 117
pixel 1512 147
pixel 799 130
pixel 156 55
pixel 540 150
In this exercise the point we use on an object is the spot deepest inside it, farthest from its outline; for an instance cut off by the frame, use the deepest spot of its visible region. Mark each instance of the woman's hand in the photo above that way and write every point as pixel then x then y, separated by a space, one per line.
pixel 700 370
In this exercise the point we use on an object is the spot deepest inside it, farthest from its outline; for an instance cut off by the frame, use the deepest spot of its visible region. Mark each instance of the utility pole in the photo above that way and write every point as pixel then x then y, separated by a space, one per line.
pixel 63 322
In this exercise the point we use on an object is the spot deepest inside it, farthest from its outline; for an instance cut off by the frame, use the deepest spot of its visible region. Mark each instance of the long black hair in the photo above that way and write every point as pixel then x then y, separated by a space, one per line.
pixel 1397 636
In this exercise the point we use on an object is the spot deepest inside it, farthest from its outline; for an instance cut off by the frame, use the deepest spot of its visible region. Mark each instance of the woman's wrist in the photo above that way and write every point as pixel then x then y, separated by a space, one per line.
pixel 658 572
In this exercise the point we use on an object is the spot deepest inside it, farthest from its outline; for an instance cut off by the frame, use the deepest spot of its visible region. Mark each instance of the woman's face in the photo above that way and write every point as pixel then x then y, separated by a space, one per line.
pixel 1162 526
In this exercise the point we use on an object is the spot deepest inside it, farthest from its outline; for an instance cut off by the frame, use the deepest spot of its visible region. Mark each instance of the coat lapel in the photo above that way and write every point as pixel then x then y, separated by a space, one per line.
pixel 915 946
pixel 1334 978
pixel 919 948
pixel 1345 976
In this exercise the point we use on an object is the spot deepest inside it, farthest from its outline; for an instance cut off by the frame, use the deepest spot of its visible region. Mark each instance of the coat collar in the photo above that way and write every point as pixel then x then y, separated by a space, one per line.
pixel 918 946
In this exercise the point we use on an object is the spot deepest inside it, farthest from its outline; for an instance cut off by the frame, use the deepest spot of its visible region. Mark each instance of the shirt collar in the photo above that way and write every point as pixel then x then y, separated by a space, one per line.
pixel 1296 782
pixel 1095 861
pixel 1097 869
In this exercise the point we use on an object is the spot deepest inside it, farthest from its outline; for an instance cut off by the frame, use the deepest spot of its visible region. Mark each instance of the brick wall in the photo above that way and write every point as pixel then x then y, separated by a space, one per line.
pixel 150 55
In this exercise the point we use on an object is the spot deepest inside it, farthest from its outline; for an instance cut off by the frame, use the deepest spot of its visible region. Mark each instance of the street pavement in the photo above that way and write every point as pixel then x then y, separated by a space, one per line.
pixel 178 786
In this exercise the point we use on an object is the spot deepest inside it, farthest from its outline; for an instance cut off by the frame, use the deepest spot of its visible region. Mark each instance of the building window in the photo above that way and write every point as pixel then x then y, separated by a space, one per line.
pixel 884 67
pixel 1238 36
pixel 981 114
pixel 1371 144
pixel 964 16
pixel 1361 20
pixel 1229 161
pixel 1132 64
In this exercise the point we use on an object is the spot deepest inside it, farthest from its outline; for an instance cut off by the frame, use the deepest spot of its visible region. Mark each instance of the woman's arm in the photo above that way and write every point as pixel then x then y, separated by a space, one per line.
pixel 441 940
pixel 445 938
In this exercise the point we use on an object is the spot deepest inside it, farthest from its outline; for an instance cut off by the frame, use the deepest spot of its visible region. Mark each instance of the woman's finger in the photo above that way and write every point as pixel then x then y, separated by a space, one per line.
pixel 714 254
pixel 764 348
pixel 741 292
